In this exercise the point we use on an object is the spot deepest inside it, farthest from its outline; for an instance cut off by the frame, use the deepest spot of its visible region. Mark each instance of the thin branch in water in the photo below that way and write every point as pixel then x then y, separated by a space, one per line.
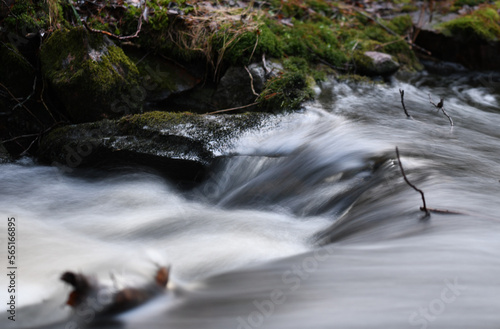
pixel 251 81
pixel 402 93
pixel 449 118
pixel 440 106
pixel 424 208
pixel 233 108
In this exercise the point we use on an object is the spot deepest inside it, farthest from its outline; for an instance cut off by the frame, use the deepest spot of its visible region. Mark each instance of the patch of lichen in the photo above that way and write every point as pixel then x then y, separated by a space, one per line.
pixel 483 24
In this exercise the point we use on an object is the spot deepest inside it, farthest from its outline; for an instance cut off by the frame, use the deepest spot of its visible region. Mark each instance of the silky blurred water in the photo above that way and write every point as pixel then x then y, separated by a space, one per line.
pixel 306 224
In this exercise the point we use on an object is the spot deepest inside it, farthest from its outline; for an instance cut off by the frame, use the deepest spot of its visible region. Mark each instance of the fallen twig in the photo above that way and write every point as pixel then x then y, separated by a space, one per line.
pixel 440 106
pixel 402 93
pixel 135 35
pixel 424 208
pixel 233 108
pixel 27 98
pixel 254 47
pixel 264 64
pixel 251 81
pixel 21 104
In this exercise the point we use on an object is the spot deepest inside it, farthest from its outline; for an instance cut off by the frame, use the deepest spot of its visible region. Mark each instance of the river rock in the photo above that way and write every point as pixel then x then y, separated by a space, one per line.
pixel 180 145
pixel 160 78
pixel 462 41
pixel 235 87
pixel 91 76
pixel 374 63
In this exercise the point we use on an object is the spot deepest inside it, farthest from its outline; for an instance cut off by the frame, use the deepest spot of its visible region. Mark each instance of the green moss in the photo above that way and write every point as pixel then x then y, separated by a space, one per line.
pixel 89 74
pixel 27 16
pixel 241 50
pixel 156 119
pixel 482 24
pixel 401 24
pixel 290 89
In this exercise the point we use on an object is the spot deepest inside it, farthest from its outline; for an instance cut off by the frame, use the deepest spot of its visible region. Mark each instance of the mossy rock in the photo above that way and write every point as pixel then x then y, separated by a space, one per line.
pixel 93 78
pixel 372 63
pixel 482 24
pixel 182 146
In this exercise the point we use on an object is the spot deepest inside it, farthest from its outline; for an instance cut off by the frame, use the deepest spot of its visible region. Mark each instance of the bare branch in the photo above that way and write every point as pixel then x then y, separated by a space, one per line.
pixel 402 93
pixel 440 106
pixel 233 108
pixel 254 47
pixel 251 81
pixel 135 35
pixel 424 208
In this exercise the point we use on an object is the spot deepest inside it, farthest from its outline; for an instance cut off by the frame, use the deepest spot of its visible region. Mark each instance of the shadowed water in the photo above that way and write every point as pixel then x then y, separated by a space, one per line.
pixel 307 224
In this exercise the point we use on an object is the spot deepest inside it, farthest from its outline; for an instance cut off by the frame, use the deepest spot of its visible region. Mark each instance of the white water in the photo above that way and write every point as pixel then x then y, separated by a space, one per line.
pixel 314 208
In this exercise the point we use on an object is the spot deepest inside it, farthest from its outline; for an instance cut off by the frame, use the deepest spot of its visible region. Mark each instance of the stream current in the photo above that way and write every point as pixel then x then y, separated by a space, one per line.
pixel 307 224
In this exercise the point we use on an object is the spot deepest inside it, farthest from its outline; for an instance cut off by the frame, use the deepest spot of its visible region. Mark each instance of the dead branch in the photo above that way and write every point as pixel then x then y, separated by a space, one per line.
pixel 445 212
pixel 251 81
pixel 135 35
pixel 27 98
pixel 233 108
pixel 424 208
pixel 264 64
pixel 21 104
pixel 254 47
pixel 440 106
pixel 402 93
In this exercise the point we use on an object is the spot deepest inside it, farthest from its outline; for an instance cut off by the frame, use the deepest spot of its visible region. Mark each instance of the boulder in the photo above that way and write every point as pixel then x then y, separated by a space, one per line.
pixel 471 40
pixel 180 145
pixel 374 63
pixel 235 87
pixel 162 77
pixel 91 76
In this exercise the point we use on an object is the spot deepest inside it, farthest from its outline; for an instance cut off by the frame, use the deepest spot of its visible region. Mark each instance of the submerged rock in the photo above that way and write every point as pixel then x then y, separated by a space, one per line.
pixel 92 77
pixel 180 145
pixel 374 63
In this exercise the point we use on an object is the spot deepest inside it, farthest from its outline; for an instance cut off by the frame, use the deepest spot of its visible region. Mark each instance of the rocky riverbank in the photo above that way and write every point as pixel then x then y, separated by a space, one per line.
pixel 69 67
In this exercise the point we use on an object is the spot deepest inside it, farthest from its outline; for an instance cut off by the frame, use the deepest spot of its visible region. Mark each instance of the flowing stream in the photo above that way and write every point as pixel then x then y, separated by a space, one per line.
pixel 309 224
